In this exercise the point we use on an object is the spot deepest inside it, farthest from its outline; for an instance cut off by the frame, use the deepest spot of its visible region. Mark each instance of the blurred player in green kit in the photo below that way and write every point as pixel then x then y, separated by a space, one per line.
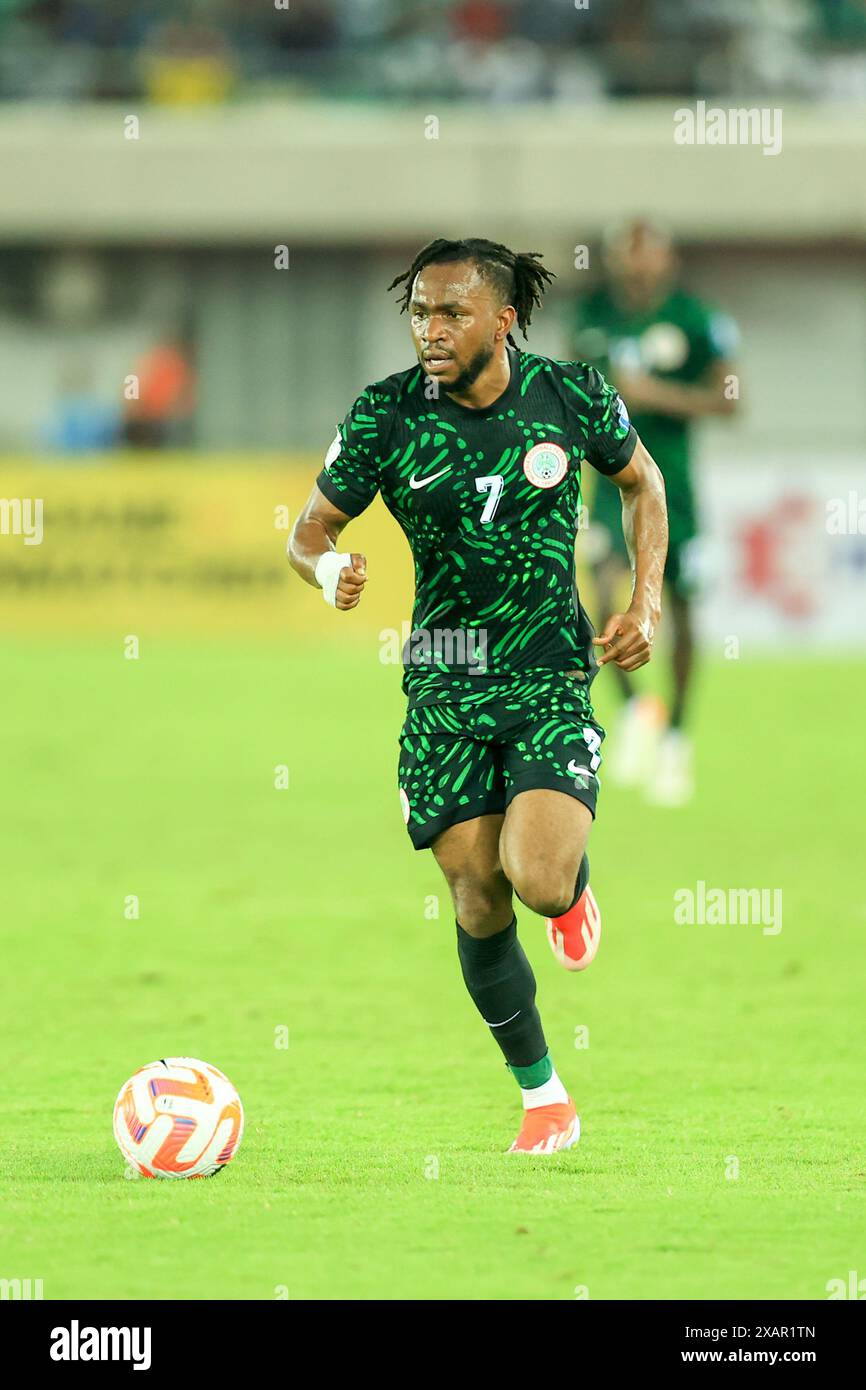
pixel 670 357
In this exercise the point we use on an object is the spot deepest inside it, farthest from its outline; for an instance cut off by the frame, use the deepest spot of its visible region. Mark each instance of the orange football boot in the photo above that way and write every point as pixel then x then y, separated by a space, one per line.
pixel 574 936
pixel 547 1129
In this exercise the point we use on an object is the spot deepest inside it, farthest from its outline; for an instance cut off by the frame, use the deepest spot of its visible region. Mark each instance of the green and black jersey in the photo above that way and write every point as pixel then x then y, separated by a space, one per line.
pixel 677 339
pixel 490 503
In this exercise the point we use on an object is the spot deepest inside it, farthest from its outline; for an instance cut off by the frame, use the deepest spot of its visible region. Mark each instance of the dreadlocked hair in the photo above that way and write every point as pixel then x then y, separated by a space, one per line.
pixel 518 276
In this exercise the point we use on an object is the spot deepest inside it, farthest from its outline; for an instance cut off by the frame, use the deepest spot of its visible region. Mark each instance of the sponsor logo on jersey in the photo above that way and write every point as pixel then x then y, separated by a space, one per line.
pixel 622 413
pixel 404 805
pixel 545 465
pixel 431 478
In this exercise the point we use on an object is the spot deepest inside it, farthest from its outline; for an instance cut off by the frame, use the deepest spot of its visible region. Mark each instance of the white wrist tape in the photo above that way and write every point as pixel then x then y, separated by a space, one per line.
pixel 328 568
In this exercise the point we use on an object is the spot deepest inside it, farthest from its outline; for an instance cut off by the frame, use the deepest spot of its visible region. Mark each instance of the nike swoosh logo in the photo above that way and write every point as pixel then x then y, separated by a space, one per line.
pixel 578 771
pixel 422 482
pixel 504 1021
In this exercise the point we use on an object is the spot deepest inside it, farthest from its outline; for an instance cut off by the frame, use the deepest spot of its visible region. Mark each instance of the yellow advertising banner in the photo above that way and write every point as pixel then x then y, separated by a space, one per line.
pixel 175 544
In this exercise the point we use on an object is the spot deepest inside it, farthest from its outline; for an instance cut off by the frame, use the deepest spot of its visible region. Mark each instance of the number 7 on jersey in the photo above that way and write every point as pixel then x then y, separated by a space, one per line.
pixel 492 485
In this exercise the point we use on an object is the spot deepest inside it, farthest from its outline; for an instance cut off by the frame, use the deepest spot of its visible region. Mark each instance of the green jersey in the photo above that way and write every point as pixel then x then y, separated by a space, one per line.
pixel 489 501
pixel 676 340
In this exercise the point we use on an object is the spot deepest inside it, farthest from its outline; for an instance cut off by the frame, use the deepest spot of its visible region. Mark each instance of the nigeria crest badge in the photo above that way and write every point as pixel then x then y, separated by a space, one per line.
pixel 545 465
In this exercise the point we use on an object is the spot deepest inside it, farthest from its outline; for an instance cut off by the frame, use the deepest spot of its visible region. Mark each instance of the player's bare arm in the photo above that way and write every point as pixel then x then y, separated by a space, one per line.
pixel 709 396
pixel 314 536
pixel 627 638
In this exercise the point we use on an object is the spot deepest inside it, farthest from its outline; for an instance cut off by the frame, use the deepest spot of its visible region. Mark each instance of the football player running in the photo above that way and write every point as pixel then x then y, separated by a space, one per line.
pixel 477 450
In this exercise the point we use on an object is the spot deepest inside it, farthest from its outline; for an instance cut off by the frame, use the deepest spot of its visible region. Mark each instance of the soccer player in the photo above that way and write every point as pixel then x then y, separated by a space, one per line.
pixel 670 357
pixel 477 450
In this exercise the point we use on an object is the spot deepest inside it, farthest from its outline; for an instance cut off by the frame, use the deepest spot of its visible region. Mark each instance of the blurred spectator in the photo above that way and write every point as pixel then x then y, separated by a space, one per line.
pixel 843 20
pixel 81 423
pixel 197 51
pixel 186 63
pixel 483 20
pixel 307 26
pixel 156 417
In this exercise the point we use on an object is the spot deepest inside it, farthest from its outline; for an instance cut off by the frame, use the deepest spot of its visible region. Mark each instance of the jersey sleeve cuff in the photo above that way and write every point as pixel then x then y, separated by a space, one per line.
pixel 618 461
pixel 351 505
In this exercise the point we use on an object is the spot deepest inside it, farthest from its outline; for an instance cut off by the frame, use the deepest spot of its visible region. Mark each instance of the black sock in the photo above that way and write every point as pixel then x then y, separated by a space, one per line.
pixel 582 880
pixel 502 985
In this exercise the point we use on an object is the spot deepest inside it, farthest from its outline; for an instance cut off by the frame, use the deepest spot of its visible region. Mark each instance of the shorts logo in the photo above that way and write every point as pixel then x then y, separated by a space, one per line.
pixel 545 465
pixel 404 805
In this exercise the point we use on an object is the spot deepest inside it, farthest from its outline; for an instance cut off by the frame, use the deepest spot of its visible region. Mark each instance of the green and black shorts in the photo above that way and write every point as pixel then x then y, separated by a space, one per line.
pixel 468 747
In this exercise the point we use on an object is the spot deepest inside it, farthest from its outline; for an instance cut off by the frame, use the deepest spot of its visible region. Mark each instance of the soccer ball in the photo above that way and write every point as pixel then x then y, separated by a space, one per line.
pixel 178 1118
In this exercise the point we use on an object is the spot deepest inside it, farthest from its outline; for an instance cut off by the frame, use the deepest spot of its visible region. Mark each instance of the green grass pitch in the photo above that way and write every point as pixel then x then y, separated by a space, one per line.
pixel 372 1164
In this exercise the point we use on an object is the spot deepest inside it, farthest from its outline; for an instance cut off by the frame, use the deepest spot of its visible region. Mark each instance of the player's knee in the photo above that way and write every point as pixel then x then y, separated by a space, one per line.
pixel 476 898
pixel 545 888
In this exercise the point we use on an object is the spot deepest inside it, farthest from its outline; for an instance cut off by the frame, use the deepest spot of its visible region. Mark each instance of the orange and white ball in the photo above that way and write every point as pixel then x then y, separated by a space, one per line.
pixel 178 1118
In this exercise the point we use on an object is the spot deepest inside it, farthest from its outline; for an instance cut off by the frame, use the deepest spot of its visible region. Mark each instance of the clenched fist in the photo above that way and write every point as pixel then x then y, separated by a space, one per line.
pixel 627 639
pixel 351 583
